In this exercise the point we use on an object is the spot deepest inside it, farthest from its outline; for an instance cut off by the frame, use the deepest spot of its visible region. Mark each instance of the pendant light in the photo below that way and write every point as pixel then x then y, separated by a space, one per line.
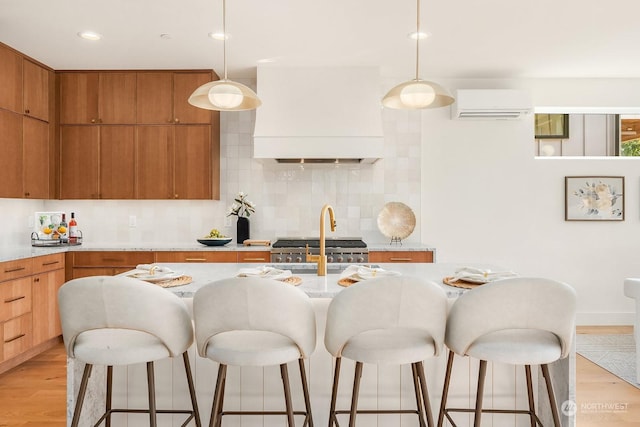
pixel 225 94
pixel 417 93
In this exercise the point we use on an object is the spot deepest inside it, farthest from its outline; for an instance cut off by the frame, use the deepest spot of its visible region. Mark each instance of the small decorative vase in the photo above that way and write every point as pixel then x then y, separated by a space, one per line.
pixel 242 229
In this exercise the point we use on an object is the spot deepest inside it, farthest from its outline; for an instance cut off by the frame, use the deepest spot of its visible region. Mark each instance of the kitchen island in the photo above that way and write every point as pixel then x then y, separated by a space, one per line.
pixel 260 388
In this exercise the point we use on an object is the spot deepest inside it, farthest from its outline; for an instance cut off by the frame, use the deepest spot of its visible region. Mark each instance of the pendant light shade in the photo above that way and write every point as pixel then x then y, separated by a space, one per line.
pixel 417 93
pixel 225 94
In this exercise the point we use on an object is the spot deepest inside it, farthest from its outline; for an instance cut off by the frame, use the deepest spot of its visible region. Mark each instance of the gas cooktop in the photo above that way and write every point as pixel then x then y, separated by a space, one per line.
pixel 335 242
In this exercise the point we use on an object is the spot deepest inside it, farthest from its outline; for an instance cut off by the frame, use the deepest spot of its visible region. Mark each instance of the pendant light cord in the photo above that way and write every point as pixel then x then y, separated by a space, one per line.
pixel 224 37
pixel 417 38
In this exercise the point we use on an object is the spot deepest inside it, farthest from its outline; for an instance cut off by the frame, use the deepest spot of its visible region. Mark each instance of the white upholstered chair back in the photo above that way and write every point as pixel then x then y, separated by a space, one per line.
pixel 385 303
pixel 254 304
pixel 516 303
pixel 106 302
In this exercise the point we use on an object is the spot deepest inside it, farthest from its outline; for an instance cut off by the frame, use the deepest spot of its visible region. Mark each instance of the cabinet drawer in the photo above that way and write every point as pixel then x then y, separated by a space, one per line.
pixel 15 269
pixel 48 263
pixel 197 256
pixel 401 256
pixel 16 336
pixel 15 298
pixel 254 256
pixel 111 259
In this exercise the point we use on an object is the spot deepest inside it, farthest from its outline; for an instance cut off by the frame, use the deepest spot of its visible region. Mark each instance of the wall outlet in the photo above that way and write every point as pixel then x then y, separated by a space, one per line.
pixel 133 221
pixel 227 221
pixel 31 221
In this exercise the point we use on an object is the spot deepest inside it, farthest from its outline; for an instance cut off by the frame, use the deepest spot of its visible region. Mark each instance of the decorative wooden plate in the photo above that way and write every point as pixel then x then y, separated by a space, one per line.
pixel 396 220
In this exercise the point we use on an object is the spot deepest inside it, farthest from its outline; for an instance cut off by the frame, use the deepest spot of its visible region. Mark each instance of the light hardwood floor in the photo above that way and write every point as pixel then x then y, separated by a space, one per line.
pixel 34 393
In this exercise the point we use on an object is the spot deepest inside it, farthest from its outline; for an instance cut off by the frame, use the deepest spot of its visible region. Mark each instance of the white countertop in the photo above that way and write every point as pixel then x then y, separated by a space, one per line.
pixel 313 285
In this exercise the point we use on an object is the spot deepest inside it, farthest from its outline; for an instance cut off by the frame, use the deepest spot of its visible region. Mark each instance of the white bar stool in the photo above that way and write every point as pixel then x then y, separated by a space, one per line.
pixel 387 320
pixel 115 321
pixel 632 290
pixel 252 321
pixel 519 321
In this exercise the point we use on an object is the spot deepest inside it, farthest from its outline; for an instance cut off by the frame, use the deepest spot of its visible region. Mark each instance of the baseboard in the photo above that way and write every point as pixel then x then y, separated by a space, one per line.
pixel 32 352
pixel 608 319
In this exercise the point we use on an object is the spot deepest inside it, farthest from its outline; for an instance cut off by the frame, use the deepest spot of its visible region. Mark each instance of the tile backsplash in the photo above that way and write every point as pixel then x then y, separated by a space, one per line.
pixel 288 198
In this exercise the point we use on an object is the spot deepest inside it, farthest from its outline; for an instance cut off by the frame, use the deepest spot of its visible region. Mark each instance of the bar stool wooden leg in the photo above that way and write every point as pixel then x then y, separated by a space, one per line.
pixel 445 389
pixel 305 390
pixel 151 386
pixel 287 394
pixel 107 422
pixel 425 393
pixel 217 395
pixel 532 404
pixel 479 393
pixel 416 389
pixel 355 393
pixel 552 398
pixel 192 389
pixel 334 392
pixel 81 392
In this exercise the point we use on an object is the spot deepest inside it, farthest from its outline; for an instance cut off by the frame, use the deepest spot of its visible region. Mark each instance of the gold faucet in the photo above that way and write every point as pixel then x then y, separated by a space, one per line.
pixel 321 259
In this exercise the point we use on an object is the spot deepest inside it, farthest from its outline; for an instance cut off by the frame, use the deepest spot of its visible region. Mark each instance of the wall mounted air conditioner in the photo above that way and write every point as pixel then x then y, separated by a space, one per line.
pixel 491 104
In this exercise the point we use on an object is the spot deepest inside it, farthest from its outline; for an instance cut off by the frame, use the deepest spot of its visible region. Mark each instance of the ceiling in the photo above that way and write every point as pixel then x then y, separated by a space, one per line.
pixel 469 38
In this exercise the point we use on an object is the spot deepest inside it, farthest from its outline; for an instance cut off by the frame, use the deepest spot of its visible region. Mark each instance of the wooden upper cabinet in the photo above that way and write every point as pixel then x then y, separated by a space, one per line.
pixel 192 162
pixel 117 98
pixel 97 98
pixel 11 170
pixel 79 98
pixel 79 149
pixel 183 86
pixel 154 164
pixel 10 80
pixel 154 98
pixel 117 162
pixel 36 90
pixel 36 159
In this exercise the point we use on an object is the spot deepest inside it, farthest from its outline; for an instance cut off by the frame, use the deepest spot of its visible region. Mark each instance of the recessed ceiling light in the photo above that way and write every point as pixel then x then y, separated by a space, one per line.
pixel 219 36
pixel 421 35
pixel 89 35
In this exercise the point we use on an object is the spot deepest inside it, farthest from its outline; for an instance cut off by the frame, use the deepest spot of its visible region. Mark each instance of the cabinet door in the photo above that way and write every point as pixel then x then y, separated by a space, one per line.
pixel 117 162
pixel 11 170
pixel 15 297
pixel 401 256
pixel 10 80
pixel 192 162
pixel 36 158
pixel 46 321
pixel 36 90
pixel 154 163
pixel 254 256
pixel 79 98
pixel 79 150
pixel 183 86
pixel 17 334
pixel 154 98
pixel 197 256
pixel 117 98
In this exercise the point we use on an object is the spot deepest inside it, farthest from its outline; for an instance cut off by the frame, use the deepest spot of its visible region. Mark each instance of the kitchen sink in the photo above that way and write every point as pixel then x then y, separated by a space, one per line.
pixel 312 268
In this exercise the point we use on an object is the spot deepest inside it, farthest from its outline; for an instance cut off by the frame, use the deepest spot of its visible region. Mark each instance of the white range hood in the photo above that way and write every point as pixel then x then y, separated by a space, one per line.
pixel 318 114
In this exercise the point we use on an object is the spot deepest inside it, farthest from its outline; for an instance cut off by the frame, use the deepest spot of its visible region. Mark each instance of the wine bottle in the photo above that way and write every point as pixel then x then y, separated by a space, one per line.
pixel 63 229
pixel 73 229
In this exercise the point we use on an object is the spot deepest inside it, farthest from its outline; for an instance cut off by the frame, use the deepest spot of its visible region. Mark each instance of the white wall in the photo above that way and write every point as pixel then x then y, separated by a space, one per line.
pixel 487 199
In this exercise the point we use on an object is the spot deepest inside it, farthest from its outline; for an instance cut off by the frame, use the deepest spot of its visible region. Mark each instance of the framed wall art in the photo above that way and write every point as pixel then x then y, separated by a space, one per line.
pixel 594 198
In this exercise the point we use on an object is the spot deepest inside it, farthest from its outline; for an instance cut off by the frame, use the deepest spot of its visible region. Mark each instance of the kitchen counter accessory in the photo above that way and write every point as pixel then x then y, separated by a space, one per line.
pixel 36 241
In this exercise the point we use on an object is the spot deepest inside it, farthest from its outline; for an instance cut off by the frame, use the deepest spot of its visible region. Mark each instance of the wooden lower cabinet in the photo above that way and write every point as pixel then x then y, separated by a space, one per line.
pixel 46 319
pixel 254 256
pixel 17 336
pixel 401 256
pixel 197 256
pixel 105 263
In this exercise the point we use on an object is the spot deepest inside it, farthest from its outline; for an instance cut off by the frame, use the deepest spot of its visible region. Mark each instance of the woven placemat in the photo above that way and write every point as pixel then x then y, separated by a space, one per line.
pixel 292 280
pixel 178 281
pixel 460 283
pixel 346 282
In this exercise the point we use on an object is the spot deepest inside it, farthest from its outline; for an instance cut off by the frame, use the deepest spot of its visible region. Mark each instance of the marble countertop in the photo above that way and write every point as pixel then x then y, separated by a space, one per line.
pixel 313 285
pixel 19 252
